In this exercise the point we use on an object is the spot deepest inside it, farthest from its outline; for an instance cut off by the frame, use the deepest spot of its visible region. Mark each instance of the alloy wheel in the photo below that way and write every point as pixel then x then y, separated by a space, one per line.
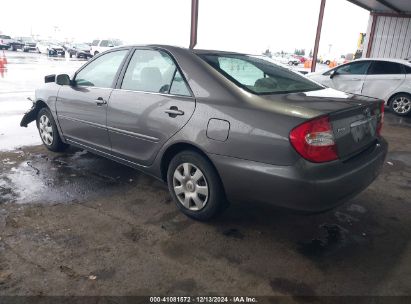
pixel 190 186
pixel 46 130
pixel 401 105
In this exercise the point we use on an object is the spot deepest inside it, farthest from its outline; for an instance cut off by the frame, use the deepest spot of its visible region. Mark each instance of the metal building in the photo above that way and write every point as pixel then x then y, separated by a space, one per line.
pixel 389 28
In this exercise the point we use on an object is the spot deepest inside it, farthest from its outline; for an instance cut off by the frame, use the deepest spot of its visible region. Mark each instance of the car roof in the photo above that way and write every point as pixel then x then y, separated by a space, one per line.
pixel 402 61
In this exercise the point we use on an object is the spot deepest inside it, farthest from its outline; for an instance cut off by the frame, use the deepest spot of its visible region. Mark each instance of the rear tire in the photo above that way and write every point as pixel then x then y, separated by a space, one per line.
pixel 48 131
pixel 195 186
pixel 400 104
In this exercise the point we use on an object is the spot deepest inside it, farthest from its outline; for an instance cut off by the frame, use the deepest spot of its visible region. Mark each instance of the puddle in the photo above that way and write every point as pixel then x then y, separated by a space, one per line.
pixel 76 175
pixel 395 120
pixel 233 233
pixel 332 237
pixel 404 157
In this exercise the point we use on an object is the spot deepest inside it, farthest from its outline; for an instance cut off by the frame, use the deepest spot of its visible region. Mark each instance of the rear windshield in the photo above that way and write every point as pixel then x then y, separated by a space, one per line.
pixel 258 74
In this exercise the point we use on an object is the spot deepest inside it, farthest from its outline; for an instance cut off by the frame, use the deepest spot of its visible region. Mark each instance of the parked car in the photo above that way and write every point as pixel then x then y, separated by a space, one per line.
pixel 386 79
pixel 218 127
pixel 101 45
pixel 79 50
pixel 290 60
pixel 51 48
pixel 26 44
pixel 5 42
pixel 16 45
pixel 302 59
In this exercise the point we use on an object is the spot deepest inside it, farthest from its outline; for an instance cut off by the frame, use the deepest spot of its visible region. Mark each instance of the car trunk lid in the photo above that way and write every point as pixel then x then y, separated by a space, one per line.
pixel 355 128
pixel 354 118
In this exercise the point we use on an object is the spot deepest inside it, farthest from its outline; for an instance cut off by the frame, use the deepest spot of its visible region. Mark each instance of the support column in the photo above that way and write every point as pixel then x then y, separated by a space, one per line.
pixel 318 35
pixel 194 23
pixel 372 33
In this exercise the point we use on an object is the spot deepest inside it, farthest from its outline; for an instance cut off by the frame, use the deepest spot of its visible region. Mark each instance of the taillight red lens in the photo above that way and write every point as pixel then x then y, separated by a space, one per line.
pixel 314 140
pixel 380 119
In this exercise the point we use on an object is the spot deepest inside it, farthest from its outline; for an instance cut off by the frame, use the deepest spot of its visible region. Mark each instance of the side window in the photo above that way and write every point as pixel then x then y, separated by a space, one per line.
pixel 355 68
pixel 407 69
pixel 242 71
pixel 101 71
pixel 178 86
pixel 385 67
pixel 95 42
pixel 151 71
pixel 104 43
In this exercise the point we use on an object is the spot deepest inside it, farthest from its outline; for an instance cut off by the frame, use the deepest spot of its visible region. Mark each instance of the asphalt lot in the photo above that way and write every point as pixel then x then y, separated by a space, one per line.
pixel 78 224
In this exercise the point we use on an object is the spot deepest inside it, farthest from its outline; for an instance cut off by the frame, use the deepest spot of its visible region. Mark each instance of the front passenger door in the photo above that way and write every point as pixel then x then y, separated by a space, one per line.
pixel 82 106
pixel 349 77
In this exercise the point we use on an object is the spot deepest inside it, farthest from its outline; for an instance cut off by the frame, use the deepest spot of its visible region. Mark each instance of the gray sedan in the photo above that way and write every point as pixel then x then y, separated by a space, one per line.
pixel 218 127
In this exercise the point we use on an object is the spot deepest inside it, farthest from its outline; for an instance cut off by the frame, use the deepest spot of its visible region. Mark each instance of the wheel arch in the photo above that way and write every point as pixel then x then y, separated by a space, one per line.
pixel 176 148
pixel 395 94
pixel 32 114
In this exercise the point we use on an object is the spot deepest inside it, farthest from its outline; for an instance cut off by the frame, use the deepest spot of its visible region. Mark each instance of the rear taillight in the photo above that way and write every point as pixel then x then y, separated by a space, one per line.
pixel 380 121
pixel 314 140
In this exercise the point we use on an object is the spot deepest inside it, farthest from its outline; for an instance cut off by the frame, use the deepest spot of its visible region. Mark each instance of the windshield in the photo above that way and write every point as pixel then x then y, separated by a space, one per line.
pixel 27 39
pixel 258 75
pixel 82 46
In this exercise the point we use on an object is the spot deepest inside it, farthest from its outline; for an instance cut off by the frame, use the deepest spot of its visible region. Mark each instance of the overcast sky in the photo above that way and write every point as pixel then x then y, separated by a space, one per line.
pixel 237 25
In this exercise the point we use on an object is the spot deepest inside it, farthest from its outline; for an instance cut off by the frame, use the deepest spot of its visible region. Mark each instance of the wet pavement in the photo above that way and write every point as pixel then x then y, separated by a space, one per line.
pixel 77 224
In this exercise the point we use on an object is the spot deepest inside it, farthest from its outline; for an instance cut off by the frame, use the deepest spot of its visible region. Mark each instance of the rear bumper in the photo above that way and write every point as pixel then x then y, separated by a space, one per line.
pixel 305 186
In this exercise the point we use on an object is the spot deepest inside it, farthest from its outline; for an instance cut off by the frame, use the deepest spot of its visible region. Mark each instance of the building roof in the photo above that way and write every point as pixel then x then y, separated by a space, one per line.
pixel 385 6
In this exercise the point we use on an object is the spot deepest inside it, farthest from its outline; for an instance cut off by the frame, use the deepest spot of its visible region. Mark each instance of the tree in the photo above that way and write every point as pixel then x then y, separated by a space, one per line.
pixel 300 52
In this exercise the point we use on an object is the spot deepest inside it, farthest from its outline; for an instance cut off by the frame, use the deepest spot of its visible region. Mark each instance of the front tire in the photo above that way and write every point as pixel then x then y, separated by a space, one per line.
pixel 195 186
pixel 48 131
pixel 400 104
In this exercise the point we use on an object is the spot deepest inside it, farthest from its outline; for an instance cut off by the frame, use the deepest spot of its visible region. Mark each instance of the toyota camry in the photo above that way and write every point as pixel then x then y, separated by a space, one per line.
pixel 217 127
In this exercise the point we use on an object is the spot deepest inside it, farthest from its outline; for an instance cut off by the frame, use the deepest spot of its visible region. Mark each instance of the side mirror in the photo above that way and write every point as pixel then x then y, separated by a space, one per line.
pixel 110 45
pixel 50 78
pixel 333 74
pixel 63 79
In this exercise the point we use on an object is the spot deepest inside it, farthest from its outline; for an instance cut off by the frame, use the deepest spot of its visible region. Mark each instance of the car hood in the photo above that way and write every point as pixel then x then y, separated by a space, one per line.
pixel 312 103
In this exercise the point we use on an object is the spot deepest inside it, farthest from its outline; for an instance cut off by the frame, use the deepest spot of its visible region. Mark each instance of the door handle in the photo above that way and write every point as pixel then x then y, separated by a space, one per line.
pixel 355 79
pixel 100 101
pixel 174 111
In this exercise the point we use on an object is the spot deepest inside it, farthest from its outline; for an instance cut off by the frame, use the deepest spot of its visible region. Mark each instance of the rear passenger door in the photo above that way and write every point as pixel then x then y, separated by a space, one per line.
pixel 151 103
pixel 383 78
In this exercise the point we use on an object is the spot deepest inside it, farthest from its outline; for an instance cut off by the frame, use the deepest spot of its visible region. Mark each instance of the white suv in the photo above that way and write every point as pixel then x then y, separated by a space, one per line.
pixel 101 45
